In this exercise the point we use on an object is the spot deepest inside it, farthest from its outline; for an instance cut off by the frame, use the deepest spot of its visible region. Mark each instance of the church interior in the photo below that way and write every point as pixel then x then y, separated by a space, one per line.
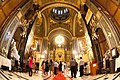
pixel 60 30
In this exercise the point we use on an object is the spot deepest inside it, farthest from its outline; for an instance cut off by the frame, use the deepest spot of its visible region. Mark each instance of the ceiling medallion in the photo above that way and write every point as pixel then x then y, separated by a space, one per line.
pixel 60 13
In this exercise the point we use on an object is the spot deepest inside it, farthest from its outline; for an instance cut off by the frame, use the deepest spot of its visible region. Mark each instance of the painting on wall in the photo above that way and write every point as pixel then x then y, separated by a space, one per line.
pixel 38 45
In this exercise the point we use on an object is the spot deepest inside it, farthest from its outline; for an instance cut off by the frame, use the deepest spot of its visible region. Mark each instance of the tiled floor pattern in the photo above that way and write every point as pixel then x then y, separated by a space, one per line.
pixel 38 76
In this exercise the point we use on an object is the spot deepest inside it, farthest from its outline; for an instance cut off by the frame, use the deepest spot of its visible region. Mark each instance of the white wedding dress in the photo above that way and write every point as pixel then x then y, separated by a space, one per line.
pixel 14 52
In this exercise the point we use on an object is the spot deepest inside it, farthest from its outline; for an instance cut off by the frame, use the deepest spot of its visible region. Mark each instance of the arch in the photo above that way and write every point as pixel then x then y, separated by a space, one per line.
pixel 102 40
pixel 59 4
pixel 45 24
pixel 66 36
pixel 21 26
pixel 60 29
pixel 17 35
pixel 74 22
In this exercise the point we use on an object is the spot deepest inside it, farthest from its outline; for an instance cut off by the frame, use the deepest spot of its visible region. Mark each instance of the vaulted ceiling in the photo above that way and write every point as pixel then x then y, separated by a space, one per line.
pixel 73 26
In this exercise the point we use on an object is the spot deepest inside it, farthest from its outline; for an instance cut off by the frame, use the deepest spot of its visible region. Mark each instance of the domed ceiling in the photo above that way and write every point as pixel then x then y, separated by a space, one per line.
pixel 59 17
pixel 60 13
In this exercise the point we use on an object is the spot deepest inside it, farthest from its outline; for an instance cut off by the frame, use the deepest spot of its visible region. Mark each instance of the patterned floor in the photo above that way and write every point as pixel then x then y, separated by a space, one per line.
pixel 38 76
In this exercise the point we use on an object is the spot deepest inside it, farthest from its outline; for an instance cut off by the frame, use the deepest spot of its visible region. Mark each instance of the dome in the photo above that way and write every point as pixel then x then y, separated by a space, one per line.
pixel 60 13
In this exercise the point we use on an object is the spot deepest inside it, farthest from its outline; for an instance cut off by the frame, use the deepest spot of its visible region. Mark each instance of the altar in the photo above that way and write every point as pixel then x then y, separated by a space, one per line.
pixel 5 62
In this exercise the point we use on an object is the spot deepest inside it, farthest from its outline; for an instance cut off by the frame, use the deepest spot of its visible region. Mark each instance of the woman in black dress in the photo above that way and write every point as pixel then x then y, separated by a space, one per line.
pixel 60 66
pixel 46 67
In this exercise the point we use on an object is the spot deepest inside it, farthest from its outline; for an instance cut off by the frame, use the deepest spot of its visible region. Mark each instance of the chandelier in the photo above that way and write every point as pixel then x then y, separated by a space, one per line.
pixel 59 39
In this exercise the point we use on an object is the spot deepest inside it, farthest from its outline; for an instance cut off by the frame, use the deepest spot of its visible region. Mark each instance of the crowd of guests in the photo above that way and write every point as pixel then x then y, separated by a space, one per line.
pixel 53 67
pixel 59 68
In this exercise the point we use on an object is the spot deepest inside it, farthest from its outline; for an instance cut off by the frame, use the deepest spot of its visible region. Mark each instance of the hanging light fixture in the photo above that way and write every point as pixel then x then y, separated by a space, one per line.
pixel 59 39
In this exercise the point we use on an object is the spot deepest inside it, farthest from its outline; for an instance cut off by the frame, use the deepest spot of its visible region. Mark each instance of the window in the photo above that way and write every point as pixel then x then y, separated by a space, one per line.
pixel 60 13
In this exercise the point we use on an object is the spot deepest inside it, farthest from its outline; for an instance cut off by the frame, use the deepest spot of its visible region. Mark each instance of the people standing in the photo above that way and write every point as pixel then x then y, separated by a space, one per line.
pixel 55 67
pixel 37 67
pixel 60 66
pixel 65 68
pixel 46 67
pixel 34 65
pixel 107 58
pixel 76 68
pixel 51 65
pixel 72 67
pixel 43 67
pixel 81 64
pixel 30 65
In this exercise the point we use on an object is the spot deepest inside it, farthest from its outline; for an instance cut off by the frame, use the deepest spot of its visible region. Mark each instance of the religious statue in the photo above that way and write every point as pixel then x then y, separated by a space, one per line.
pixel 14 52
